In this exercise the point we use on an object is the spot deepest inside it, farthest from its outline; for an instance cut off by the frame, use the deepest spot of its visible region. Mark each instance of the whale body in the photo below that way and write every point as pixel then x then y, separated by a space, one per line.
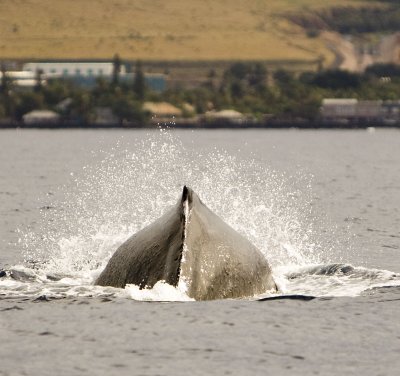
pixel 191 244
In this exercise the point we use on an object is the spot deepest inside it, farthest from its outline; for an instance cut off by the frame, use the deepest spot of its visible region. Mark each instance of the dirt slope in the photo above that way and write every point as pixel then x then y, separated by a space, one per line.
pixel 159 29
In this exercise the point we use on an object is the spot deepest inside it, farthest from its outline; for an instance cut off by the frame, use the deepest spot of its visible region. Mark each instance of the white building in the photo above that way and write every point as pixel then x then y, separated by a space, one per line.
pixel 86 73
pixel 370 109
pixel 354 110
pixel 333 108
pixel 73 69
pixel 41 117
pixel 229 114
pixel 22 79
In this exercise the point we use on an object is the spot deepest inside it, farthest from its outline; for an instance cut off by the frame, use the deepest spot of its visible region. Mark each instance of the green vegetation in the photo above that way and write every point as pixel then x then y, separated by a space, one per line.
pixel 139 85
pixel 243 87
pixel 352 20
pixel 384 70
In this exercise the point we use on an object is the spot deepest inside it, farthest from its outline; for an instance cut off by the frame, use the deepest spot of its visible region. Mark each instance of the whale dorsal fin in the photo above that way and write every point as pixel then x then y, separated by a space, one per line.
pixel 187 194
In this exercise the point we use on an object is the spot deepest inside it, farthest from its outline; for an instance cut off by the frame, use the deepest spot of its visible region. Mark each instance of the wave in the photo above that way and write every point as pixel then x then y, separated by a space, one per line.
pixel 325 280
pixel 334 279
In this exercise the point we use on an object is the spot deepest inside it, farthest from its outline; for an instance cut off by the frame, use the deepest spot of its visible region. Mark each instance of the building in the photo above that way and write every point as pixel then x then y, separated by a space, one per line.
pixel 41 117
pixel 363 111
pixel 162 109
pixel 391 111
pixel 155 81
pixel 338 109
pixel 227 116
pixel 73 69
pixel 369 110
pixel 231 115
pixel 86 74
pixel 23 79
pixel 351 110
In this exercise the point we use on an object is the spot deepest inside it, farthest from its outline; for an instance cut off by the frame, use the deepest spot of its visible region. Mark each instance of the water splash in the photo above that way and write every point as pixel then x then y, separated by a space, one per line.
pixel 161 292
pixel 333 279
pixel 134 184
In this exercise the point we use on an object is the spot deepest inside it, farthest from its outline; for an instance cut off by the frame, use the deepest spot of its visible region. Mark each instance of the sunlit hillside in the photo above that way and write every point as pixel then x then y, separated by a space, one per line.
pixel 159 29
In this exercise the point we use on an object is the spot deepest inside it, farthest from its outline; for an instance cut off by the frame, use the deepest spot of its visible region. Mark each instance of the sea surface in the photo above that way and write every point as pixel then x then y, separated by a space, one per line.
pixel 322 205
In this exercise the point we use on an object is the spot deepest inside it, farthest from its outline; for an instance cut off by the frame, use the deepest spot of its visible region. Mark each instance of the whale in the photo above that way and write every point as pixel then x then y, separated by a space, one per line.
pixel 191 246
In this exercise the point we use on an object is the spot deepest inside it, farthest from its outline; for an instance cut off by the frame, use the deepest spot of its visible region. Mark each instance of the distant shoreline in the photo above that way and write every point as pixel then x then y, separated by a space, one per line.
pixel 271 124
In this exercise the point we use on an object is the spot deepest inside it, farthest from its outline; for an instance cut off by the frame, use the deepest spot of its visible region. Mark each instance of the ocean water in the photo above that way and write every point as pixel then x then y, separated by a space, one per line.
pixel 322 206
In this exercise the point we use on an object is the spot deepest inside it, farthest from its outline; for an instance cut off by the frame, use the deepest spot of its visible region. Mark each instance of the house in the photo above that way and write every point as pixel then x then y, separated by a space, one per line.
pixel 162 110
pixel 226 116
pixel 41 117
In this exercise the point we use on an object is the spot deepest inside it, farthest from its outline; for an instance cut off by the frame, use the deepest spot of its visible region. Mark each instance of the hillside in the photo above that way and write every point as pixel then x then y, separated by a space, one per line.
pixel 160 29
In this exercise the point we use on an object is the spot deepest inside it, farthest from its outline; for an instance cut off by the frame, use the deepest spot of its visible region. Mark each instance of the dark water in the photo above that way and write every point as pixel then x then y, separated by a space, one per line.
pixel 338 192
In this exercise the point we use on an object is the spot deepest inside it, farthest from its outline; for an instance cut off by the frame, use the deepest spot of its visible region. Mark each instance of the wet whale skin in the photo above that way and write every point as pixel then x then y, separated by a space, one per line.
pixel 210 257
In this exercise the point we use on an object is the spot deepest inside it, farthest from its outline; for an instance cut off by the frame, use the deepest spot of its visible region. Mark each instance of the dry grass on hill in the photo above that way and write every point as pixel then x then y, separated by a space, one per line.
pixel 158 29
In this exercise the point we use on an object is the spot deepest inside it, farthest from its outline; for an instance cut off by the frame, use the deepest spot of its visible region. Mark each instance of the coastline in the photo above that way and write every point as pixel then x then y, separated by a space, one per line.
pixel 190 124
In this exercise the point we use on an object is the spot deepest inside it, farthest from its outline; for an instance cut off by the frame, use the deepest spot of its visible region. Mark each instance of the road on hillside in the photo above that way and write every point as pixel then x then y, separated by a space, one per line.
pixel 351 57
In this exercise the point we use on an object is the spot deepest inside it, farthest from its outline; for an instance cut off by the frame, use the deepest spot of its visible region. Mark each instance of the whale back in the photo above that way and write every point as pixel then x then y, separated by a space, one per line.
pixel 192 244
pixel 218 262
pixel 151 255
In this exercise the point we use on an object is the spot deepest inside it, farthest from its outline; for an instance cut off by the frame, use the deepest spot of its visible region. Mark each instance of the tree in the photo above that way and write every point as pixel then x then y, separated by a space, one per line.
pixel 81 107
pixel 116 69
pixel 56 90
pixel 237 89
pixel 383 70
pixel 258 77
pixel 39 84
pixel 28 101
pixel 6 82
pixel 128 109
pixel 139 83
pixel 239 70
pixel 282 77
pixel 337 79
pixel 6 95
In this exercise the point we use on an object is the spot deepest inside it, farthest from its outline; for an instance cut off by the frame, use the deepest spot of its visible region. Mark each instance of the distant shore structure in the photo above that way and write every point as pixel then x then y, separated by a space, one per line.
pixel 87 73
pixel 22 79
pixel 354 110
pixel 73 68
pixel 42 117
